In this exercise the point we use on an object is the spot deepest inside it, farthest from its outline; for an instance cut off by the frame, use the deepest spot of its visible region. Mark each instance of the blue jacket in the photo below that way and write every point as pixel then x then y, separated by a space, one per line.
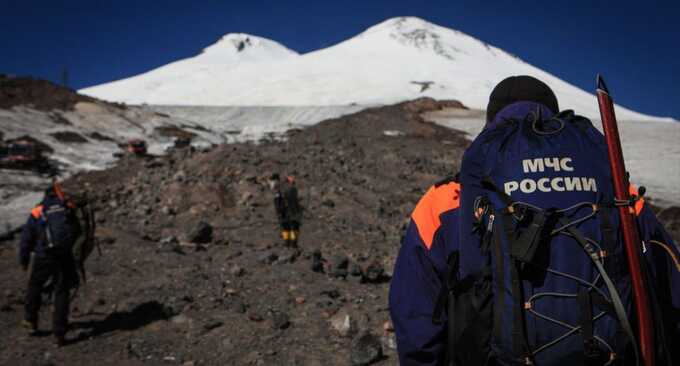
pixel 33 238
pixel 421 266
pixel 431 236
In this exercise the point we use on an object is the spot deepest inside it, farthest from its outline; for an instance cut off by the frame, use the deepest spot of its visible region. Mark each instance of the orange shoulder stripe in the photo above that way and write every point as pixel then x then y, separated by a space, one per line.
pixel 36 211
pixel 436 201
pixel 639 204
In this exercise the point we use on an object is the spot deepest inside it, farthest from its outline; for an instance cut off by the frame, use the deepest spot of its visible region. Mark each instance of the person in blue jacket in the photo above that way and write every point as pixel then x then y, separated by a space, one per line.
pixel 50 261
pixel 433 234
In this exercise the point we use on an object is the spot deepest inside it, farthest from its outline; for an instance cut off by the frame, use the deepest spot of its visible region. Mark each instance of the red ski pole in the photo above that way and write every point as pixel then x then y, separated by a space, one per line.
pixel 631 237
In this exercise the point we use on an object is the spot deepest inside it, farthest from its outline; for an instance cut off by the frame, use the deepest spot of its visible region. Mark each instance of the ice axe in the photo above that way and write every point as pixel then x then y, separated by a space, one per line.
pixel 631 236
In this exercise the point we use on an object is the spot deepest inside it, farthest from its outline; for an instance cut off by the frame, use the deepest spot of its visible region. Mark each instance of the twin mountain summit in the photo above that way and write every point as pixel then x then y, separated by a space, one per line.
pixel 399 59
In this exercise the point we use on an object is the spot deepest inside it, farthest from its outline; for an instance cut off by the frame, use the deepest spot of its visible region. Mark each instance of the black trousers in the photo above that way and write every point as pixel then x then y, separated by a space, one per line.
pixel 290 225
pixel 61 268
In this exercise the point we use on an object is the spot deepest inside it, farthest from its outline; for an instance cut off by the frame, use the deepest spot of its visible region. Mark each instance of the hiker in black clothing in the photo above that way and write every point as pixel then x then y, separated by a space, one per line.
pixel 288 208
pixel 50 233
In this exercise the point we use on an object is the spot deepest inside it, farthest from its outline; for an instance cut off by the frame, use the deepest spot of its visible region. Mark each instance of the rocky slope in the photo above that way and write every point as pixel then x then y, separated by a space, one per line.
pixel 38 94
pixel 192 271
pixel 168 290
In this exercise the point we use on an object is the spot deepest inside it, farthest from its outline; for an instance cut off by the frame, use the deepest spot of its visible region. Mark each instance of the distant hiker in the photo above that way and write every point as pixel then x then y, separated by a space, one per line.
pixel 50 233
pixel 288 208
pixel 518 261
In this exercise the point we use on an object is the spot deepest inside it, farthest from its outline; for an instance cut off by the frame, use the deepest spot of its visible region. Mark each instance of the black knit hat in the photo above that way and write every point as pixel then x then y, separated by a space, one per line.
pixel 520 89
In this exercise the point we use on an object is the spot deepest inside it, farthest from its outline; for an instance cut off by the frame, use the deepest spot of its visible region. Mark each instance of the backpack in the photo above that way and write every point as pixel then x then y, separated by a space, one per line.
pixel 61 228
pixel 85 244
pixel 541 275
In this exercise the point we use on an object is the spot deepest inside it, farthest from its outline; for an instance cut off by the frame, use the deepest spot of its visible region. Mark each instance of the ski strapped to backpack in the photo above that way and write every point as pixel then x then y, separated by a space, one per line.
pixel 631 236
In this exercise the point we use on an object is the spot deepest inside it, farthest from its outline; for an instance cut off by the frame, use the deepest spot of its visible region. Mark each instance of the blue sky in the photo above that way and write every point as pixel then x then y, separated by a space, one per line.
pixel 635 44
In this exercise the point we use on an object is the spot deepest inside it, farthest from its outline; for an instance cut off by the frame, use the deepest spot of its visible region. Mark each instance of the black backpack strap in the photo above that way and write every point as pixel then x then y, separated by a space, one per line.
pixel 519 334
pixel 449 284
pixel 619 308
pixel 613 262
pixel 499 302
pixel 446 302
pixel 592 353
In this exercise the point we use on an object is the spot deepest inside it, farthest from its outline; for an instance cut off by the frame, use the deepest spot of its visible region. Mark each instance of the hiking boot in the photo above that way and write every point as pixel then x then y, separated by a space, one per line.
pixel 59 341
pixel 31 326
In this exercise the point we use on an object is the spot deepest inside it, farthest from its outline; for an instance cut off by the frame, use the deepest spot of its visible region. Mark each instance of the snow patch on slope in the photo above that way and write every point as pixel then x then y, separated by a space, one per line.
pixel 238 124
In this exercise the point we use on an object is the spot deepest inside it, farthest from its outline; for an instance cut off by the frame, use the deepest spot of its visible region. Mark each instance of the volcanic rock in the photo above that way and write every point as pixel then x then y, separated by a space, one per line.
pixel 344 323
pixel 201 234
pixel 338 266
pixel 366 349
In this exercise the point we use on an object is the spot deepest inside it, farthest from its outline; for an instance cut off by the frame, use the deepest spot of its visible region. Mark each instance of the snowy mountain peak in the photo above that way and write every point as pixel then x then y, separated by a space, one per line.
pixel 398 59
pixel 423 35
pixel 402 24
pixel 241 45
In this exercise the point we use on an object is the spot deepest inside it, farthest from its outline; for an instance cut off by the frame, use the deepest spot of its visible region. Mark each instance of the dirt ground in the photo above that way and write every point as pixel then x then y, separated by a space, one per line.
pixel 243 297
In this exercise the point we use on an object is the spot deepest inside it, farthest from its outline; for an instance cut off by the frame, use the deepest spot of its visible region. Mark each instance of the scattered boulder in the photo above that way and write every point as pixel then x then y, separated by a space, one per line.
pixel 237 271
pixel 355 269
pixel 338 266
pixel 317 261
pixel 333 294
pixel 170 244
pixel 366 349
pixel 212 324
pixel 201 234
pixel 280 320
pixel 389 341
pixel 268 258
pixel 180 319
pixel 255 316
pixel 373 273
pixel 343 323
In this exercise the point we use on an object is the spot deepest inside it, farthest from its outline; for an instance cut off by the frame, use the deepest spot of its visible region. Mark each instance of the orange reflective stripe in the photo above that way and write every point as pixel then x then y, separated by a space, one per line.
pixel 436 201
pixel 36 211
pixel 639 204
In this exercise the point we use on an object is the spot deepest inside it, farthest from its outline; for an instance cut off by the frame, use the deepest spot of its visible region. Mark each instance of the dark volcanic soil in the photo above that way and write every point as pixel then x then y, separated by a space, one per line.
pixel 36 93
pixel 242 298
